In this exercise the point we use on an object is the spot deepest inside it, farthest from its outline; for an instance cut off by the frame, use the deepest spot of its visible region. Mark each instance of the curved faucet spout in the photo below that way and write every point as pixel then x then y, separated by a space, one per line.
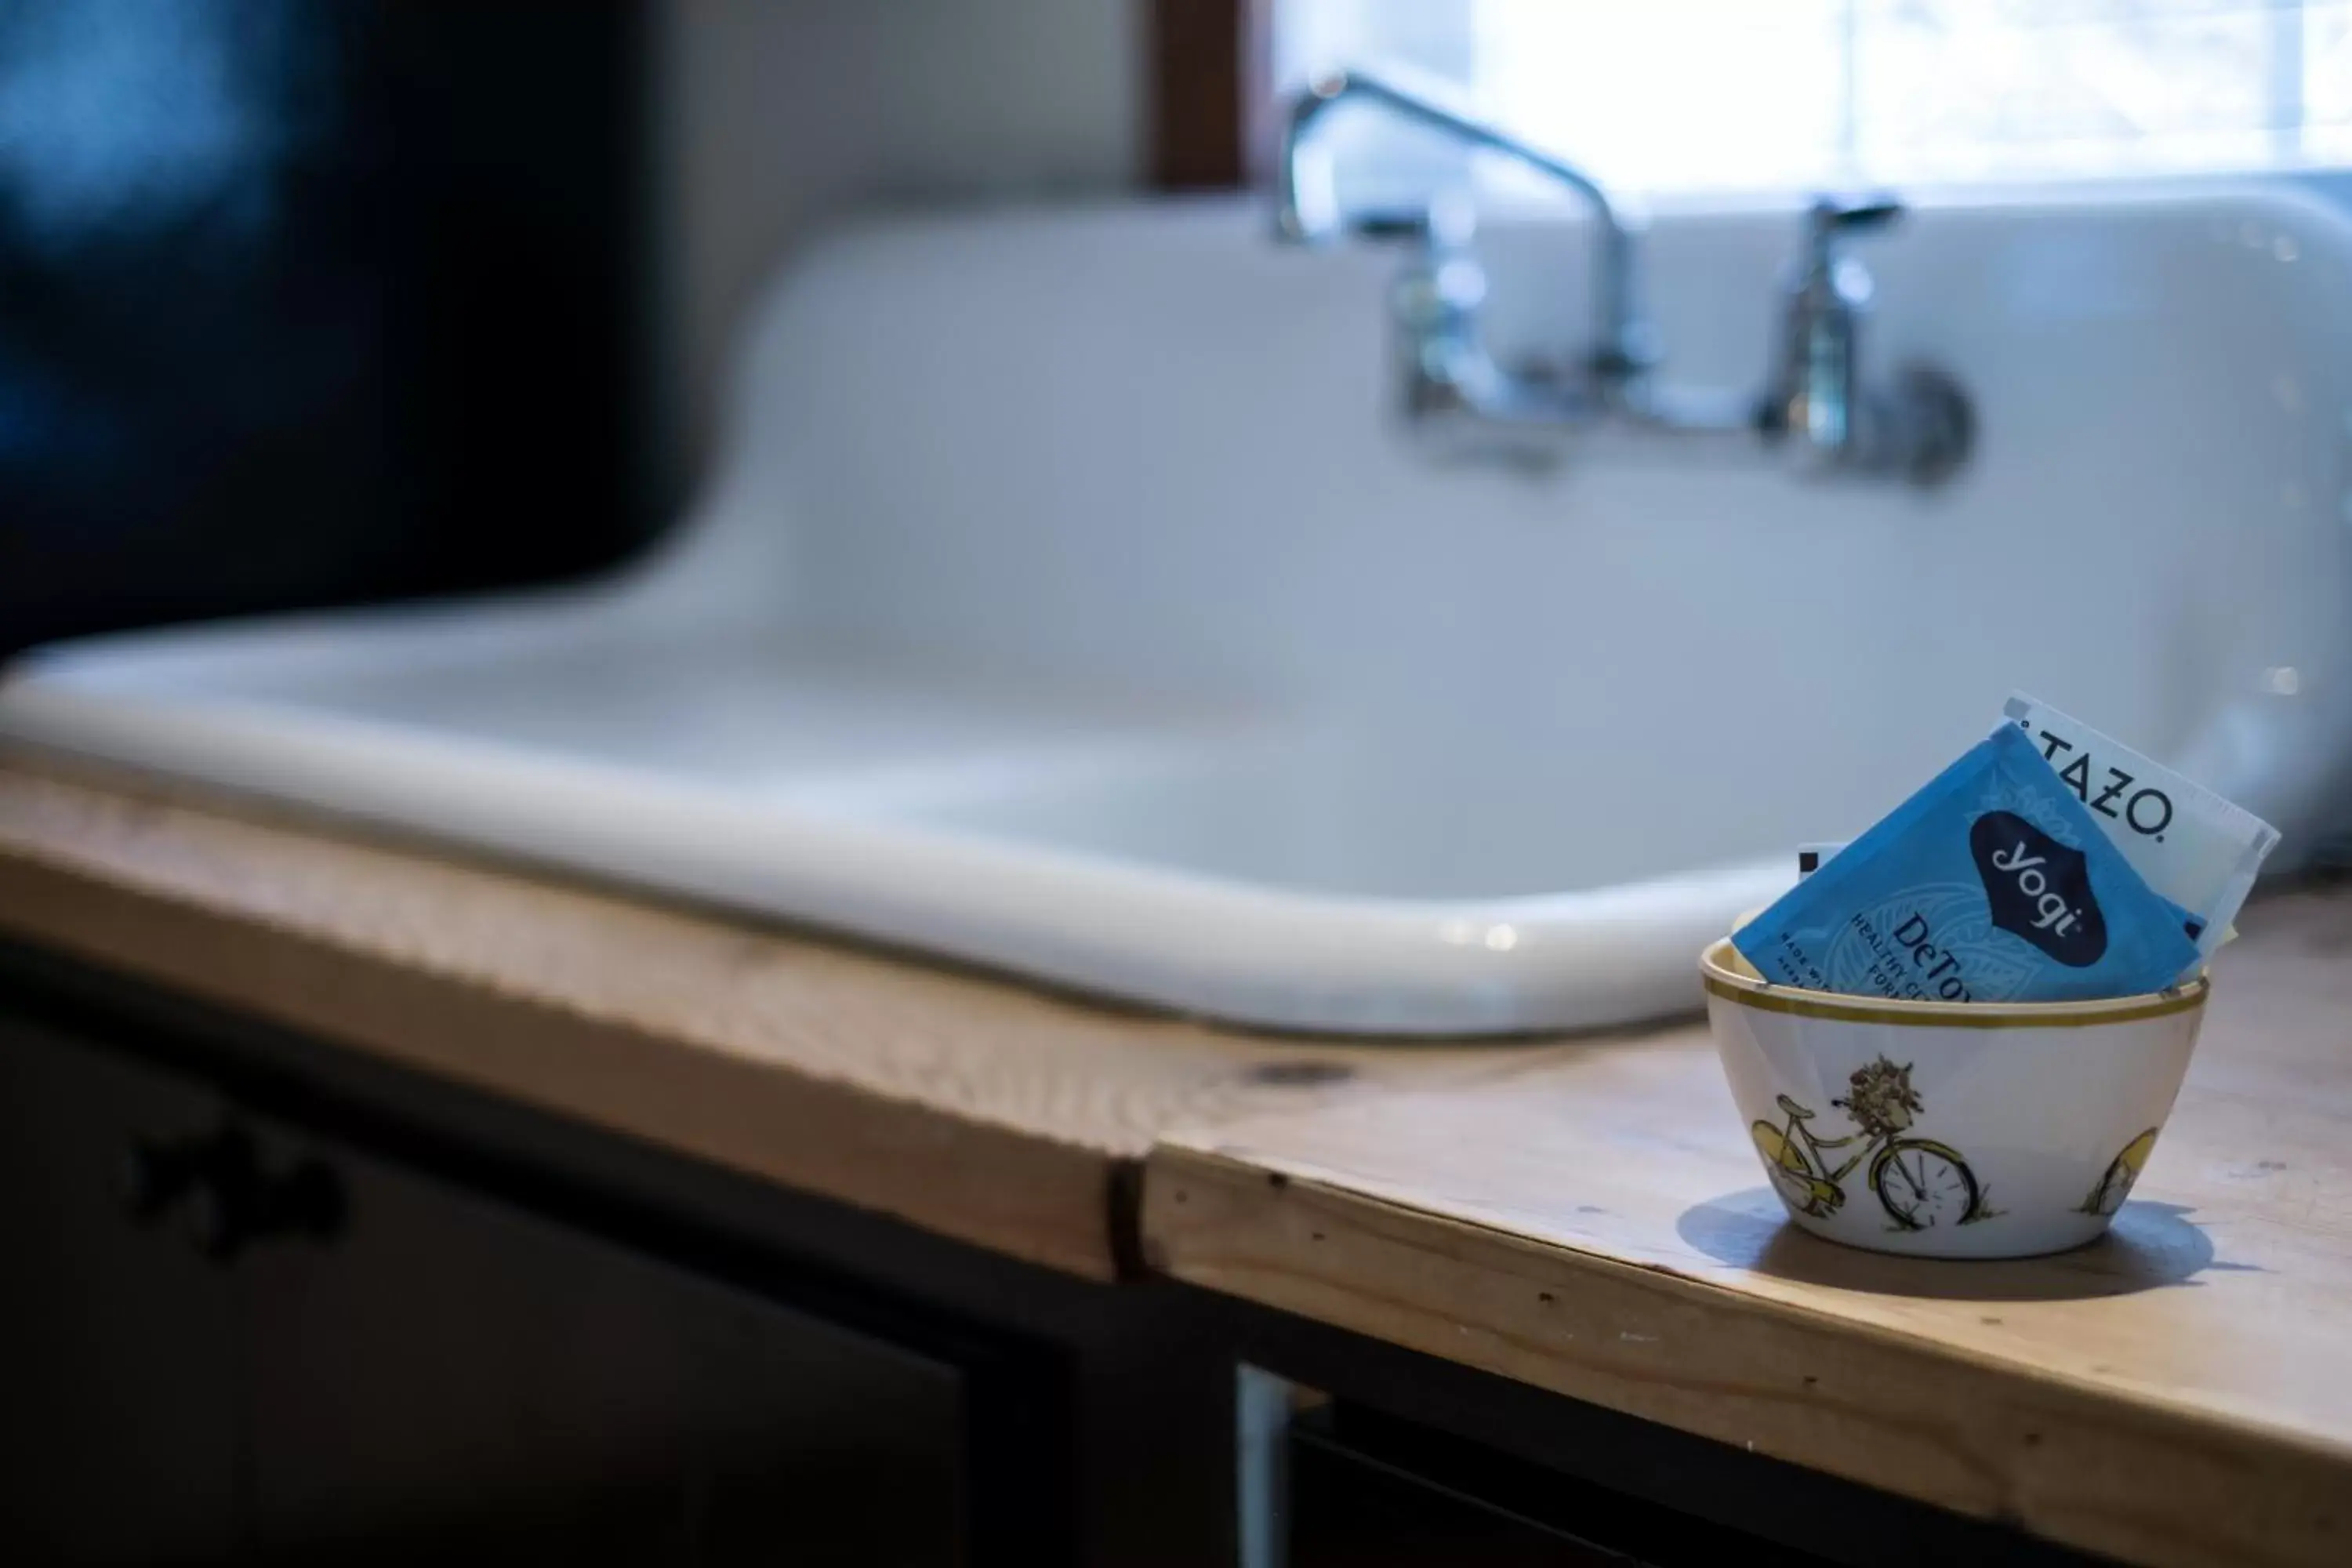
pixel 1309 209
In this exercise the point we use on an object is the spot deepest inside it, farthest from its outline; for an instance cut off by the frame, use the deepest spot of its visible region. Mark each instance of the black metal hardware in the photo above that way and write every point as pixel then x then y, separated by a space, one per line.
pixel 231 1200
pixel 157 1175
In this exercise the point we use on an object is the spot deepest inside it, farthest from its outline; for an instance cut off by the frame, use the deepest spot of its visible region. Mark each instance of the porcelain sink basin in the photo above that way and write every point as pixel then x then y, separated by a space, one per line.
pixel 1071 602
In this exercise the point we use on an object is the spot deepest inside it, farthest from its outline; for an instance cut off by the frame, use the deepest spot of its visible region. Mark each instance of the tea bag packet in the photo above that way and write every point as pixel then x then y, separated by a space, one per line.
pixel 1809 858
pixel 1991 884
pixel 2185 841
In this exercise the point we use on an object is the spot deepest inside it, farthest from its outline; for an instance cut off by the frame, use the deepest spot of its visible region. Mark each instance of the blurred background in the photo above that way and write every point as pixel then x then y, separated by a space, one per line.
pixel 307 303
pixel 304 303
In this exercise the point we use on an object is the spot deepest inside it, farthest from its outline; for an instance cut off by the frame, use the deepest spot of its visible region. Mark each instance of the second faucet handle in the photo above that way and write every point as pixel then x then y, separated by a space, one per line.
pixel 1830 219
pixel 1831 215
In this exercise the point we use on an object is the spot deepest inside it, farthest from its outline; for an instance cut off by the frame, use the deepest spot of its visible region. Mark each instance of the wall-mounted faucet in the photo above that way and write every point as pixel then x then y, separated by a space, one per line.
pixel 1311 213
pixel 1815 407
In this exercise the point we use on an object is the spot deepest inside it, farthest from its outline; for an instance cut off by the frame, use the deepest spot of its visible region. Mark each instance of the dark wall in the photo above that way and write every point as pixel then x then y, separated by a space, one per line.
pixel 305 301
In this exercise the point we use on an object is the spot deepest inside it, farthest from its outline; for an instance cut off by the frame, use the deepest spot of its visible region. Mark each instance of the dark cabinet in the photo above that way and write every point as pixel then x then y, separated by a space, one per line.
pixel 1352 1511
pixel 1365 1490
pixel 117 1393
pixel 446 1373
pixel 230 1338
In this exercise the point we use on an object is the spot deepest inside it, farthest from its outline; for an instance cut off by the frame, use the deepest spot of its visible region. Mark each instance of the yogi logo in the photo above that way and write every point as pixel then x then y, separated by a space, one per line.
pixel 2038 889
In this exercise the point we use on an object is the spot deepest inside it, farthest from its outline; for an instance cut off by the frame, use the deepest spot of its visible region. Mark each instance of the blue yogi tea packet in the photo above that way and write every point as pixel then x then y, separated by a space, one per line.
pixel 1991 884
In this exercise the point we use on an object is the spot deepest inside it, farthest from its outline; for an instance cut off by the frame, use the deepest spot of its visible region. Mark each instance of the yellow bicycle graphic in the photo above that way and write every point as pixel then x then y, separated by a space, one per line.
pixel 1919 1182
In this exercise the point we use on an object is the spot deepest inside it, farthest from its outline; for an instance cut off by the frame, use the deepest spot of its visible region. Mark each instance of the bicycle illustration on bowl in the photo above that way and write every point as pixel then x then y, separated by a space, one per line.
pixel 1919 1182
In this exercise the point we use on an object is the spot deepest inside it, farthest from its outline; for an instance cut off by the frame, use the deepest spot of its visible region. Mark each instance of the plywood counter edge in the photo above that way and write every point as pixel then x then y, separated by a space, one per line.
pixel 2140 1479
pixel 1045 1200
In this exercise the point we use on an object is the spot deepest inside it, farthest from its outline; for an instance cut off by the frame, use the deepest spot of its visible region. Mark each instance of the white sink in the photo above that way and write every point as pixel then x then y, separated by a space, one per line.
pixel 1072 603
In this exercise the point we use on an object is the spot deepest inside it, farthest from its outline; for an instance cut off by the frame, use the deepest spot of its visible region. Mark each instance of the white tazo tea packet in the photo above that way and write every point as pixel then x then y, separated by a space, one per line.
pixel 2185 842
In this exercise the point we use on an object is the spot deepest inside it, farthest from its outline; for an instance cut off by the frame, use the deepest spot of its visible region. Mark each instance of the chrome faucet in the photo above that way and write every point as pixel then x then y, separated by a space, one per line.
pixel 1309 210
pixel 1815 407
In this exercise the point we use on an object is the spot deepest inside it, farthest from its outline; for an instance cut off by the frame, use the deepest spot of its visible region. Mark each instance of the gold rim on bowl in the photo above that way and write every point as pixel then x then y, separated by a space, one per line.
pixel 1729 976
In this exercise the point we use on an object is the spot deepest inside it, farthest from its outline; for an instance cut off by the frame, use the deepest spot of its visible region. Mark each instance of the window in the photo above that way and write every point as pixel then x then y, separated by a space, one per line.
pixel 1729 95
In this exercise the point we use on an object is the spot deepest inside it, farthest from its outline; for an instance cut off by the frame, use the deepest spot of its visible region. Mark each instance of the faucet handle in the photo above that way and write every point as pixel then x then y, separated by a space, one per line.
pixel 1831 217
pixel 1821 264
pixel 1400 225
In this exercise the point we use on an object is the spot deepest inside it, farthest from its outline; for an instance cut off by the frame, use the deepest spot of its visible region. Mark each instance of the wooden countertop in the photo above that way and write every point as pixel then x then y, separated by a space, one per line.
pixel 1591 1220
pixel 1584 1216
pixel 975 1108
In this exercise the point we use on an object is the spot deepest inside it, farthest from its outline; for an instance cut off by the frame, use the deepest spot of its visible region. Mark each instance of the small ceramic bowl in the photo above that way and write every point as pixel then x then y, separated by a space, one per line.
pixel 1944 1128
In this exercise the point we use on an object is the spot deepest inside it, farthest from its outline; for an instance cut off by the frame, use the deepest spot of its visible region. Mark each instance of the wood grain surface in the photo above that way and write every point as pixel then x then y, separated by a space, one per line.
pixel 1593 1221
pixel 1585 1215
pixel 982 1110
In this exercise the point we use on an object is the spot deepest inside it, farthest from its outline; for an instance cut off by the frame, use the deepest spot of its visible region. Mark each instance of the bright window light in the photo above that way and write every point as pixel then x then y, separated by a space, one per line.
pixel 1673 96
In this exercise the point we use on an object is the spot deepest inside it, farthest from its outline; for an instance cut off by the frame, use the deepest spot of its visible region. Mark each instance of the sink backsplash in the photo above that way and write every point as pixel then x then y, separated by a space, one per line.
pixel 1148 450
